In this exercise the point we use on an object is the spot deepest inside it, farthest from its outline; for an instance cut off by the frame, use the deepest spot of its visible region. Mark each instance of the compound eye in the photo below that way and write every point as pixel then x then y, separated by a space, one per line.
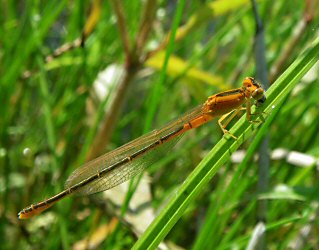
pixel 261 100
pixel 258 94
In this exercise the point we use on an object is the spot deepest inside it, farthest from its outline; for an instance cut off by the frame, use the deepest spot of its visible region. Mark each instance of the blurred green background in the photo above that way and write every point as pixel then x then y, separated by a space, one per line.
pixel 80 78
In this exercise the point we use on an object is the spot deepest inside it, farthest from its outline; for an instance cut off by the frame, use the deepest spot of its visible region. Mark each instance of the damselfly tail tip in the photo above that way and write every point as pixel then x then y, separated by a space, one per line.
pixel 33 210
pixel 21 215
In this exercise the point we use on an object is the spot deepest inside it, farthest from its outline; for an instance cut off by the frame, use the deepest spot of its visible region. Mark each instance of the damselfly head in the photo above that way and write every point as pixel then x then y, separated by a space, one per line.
pixel 255 89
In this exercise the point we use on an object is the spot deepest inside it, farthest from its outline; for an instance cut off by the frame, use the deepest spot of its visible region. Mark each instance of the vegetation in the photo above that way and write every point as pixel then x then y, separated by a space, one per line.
pixel 80 78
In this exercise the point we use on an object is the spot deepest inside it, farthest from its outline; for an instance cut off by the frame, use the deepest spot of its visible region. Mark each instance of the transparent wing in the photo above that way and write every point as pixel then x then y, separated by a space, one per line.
pixel 126 171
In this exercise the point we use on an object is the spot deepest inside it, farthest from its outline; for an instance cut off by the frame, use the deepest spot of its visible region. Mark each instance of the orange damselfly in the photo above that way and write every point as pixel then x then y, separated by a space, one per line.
pixel 123 163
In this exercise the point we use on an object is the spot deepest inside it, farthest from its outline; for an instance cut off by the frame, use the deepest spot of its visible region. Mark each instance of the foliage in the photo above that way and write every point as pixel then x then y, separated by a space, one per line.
pixel 159 60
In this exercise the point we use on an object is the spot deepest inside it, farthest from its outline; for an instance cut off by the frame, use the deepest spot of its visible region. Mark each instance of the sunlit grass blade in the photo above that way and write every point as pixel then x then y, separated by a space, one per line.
pixel 208 167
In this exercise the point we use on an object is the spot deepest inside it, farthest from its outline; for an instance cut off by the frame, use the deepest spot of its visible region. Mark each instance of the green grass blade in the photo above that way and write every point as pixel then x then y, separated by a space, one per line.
pixel 208 167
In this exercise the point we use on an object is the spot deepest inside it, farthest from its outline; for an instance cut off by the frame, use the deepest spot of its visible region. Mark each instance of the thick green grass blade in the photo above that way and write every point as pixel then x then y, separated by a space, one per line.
pixel 208 167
